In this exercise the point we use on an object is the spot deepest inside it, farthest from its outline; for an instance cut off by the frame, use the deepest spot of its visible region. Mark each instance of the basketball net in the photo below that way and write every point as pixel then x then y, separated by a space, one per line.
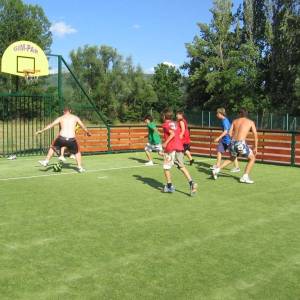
pixel 31 76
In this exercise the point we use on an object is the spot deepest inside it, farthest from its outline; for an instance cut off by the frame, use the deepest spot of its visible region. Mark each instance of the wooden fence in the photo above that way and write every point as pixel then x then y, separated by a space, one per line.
pixel 274 146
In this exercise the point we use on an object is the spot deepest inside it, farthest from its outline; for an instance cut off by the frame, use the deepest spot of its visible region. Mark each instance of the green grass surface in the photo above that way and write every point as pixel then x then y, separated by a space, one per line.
pixel 111 234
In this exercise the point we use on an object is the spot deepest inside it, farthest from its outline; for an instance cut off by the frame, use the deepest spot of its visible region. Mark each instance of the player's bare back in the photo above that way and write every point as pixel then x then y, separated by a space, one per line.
pixel 68 125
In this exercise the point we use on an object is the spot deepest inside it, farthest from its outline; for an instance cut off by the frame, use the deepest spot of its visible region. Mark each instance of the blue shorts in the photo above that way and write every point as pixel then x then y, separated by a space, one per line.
pixel 222 147
pixel 239 148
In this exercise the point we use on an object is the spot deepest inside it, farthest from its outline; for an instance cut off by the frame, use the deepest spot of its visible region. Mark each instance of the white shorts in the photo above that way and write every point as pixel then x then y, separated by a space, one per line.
pixel 156 148
pixel 173 158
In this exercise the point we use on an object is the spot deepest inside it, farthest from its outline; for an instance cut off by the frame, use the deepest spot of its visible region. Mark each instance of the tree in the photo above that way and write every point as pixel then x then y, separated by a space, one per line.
pixel 222 62
pixel 285 56
pixel 118 88
pixel 167 84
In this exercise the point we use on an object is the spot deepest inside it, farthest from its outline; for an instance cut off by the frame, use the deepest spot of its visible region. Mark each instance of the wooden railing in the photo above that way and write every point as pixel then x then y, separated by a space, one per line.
pixel 274 146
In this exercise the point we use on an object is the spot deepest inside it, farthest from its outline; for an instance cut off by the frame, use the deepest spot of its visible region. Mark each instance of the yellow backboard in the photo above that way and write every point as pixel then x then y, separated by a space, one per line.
pixel 22 58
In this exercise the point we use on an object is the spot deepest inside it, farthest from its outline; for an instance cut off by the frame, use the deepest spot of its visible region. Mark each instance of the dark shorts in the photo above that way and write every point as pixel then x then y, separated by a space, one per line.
pixel 70 143
pixel 222 147
pixel 186 147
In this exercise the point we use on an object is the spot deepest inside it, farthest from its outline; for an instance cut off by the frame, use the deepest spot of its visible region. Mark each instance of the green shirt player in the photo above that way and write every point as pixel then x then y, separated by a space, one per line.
pixel 154 141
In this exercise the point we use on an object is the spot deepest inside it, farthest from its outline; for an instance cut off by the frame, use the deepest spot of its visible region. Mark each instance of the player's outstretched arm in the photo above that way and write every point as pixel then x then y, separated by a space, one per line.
pixel 83 127
pixel 254 131
pixel 54 123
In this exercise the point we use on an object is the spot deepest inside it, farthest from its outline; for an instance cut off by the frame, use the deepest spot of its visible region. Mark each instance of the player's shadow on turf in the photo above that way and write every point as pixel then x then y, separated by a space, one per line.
pixel 205 168
pixel 149 181
pixel 138 160
pixel 154 183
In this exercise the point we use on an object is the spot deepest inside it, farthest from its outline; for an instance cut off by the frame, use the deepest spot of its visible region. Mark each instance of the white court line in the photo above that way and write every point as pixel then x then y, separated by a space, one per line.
pixel 70 173
pixel 88 171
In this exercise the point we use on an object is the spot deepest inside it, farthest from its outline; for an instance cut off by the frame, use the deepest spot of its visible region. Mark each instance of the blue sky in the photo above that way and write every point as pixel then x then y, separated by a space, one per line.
pixel 151 31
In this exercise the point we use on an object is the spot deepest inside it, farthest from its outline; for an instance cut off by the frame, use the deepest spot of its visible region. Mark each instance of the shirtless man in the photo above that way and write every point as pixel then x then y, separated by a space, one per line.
pixel 239 131
pixel 66 137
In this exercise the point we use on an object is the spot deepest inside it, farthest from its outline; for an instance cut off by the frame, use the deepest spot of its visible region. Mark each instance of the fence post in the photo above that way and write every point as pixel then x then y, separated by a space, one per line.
pixel 59 83
pixel 209 119
pixel 293 148
pixel 202 117
pixel 108 138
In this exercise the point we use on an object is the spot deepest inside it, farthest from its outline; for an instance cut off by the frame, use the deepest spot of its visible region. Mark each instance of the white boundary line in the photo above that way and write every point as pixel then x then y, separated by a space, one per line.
pixel 70 173
pixel 88 171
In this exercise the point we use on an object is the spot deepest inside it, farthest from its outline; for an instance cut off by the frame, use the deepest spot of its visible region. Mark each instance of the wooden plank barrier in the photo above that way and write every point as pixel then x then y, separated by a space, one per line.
pixel 97 142
pixel 274 146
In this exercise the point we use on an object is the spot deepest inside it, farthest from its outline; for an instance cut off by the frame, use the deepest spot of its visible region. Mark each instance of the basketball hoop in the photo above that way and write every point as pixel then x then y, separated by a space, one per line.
pixel 31 76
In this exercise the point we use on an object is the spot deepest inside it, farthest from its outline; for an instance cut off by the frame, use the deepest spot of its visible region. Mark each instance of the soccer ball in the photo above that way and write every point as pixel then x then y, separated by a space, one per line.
pixel 57 167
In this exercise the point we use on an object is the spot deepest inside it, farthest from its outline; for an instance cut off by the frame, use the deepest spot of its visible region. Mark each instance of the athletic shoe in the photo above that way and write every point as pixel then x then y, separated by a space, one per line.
pixel 246 179
pixel 169 190
pixel 235 170
pixel 213 167
pixel 61 158
pixel 215 173
pixel 81 169
pixel 149 163
pixel 193 189
pixel 44 163
pixel 191 162
pixel 73 156
pixel 12 157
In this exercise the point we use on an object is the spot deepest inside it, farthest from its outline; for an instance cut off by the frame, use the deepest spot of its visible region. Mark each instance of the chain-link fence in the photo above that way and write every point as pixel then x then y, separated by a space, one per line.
pixel 269 121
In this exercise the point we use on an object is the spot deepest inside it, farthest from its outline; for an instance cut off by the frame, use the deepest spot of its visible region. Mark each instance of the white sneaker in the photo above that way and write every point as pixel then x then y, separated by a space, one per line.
pixel 62 158
pixel 73 156
pixel 235 170
pixel 215 173
pixel 81 169
pixel 12 157
pixel 44 163
pixel 246 179
pixel 149 163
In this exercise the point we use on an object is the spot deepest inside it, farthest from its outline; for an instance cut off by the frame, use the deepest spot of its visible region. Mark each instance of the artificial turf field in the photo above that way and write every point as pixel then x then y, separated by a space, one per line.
pixel 111 234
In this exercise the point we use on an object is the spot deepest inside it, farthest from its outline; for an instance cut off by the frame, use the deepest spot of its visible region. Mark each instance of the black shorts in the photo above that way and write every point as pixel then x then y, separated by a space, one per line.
pixel 186 147
pixel 70 143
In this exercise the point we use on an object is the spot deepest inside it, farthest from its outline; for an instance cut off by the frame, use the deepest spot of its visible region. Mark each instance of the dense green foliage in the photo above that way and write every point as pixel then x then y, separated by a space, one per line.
pixel 118 88
pixel 250 58
pixel 111 234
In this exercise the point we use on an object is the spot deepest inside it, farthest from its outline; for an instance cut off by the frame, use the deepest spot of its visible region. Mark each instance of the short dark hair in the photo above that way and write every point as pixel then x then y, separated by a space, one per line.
pixel 67 108
pixel 180 112
pixel 148 117
pixel 243 112
pixel 168 114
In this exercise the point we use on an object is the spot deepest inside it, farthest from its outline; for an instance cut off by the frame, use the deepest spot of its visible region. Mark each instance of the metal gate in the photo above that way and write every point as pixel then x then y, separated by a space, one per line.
pixel 20 117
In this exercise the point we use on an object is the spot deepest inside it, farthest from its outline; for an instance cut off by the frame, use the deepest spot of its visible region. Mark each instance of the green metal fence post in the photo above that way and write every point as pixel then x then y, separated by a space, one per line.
pixel 59 83
pixel 293 148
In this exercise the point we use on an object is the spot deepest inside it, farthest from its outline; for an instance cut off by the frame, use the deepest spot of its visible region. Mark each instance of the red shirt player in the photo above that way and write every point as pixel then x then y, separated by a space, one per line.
pixel 173 149
pixel 185 135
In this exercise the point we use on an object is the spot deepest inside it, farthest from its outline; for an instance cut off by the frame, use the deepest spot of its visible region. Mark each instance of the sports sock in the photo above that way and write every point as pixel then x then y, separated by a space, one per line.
pixel 191 182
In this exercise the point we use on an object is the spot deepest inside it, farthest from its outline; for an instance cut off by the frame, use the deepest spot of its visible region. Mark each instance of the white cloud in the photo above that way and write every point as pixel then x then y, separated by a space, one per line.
pixel 61 29
pixel 149 70
pixel 136 26
pixel 170 64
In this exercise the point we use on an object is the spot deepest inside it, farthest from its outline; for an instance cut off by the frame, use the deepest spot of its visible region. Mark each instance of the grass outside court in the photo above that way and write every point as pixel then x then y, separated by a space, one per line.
pixel 111 234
